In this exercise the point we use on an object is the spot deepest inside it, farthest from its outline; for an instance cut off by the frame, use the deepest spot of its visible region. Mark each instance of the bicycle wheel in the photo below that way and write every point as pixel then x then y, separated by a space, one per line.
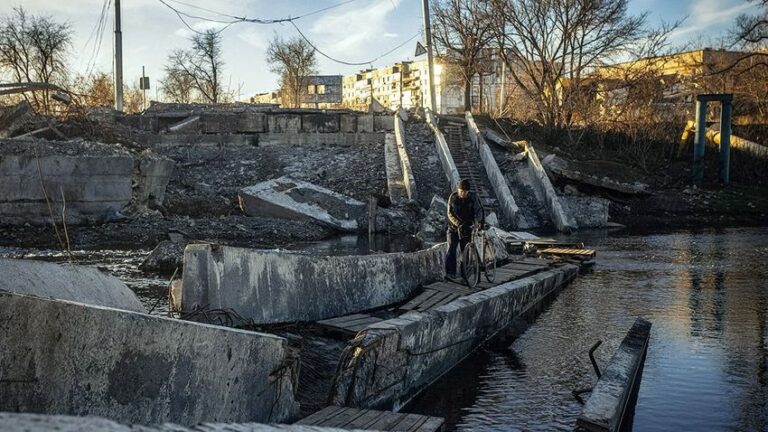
pixel 489 261
pixel 470 264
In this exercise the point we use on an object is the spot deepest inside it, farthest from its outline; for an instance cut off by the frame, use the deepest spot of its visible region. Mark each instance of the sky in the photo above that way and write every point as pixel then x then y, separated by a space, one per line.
pixel 355 31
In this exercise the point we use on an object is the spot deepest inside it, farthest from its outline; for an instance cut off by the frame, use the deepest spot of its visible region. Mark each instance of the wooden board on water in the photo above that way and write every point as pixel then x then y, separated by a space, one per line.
pixel 364 419
pixel 570 252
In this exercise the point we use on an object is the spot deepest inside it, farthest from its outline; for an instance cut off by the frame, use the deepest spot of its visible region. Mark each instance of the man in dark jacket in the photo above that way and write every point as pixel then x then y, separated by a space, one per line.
pixel 464 209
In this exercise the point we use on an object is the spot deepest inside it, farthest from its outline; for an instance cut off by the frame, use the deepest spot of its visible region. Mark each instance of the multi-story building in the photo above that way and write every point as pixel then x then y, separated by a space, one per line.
pixel 322 91
pixel 404 84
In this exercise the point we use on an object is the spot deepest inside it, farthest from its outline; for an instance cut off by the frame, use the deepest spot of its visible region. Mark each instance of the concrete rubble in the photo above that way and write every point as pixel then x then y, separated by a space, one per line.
pixel 276 287
pixel 70 358
pixel 434 224
pixel 288 198
pixel 66 282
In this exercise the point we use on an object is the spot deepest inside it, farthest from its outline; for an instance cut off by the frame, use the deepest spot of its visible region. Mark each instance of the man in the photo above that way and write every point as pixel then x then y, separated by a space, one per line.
pixel 464 210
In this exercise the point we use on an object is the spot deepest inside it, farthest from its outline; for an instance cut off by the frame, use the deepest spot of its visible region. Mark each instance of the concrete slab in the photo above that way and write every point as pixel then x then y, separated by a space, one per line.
pixel 282 123
pixel 274 287
pixel 288 198
pixel 322 123
pixel 70 358
pixel 251 122
pixel 392 361
pixel 509 209
pixel 67 282
pixel 405 161
pixel 606 407
pixel 395 186
pixel 217 123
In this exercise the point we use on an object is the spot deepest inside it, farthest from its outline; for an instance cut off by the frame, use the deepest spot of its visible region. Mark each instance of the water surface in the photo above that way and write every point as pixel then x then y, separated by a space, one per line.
pixel 706 294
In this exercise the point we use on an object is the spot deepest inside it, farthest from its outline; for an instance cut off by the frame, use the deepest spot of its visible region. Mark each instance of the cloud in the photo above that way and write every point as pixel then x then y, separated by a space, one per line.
pixel 710 16
pixel 355 33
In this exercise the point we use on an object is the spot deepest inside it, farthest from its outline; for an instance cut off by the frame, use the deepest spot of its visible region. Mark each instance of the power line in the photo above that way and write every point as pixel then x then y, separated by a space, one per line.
pixel 291 20
pixel 352 63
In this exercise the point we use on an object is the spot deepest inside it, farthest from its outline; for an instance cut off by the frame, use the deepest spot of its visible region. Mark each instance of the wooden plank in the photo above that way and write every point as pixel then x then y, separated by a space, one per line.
pixel 319 416
pixel 341 319
pixel 385 423
pixel 419 299
pixel 368 417
pixel 449 298
pixel 410 422
pixel 358 321
pixel 432 301
pixel 433 424
pixel 364 325
pixel 343 419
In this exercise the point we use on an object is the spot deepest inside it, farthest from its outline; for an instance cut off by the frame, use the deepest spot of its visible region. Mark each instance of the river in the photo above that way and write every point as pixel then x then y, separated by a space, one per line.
pixel 706 294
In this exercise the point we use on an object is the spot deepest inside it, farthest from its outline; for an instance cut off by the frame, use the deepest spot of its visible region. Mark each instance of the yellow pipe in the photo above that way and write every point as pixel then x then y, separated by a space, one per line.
pixel 689 127
pixel 713 136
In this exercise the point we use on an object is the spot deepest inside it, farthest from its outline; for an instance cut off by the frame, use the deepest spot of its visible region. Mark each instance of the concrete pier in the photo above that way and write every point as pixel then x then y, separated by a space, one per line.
pixel 62 357
pixel 390 362
pixel 606 408
pixel 274 287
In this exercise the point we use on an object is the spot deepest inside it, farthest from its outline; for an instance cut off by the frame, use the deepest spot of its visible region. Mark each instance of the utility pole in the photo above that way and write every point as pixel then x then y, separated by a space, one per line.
pixel 430 63
pixel 118 59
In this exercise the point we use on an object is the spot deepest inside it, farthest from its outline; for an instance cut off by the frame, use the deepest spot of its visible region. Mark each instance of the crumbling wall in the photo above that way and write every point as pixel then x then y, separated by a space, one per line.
pixel 69 358
pixel 408 180
pixel 274 287
pixel 390 362
pixel 75 181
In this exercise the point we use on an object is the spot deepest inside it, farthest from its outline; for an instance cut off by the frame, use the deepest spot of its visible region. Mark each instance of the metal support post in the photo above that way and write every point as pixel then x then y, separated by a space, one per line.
pixel 725 141
pixel 699 141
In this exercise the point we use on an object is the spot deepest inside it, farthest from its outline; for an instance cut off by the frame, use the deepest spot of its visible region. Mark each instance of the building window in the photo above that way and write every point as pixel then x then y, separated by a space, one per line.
pixel 320 89
pixel 311 89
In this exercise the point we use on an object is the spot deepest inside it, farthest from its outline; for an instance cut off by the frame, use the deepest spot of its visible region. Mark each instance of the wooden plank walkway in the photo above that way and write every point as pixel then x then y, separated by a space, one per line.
pixel 364 419
pixel 438 294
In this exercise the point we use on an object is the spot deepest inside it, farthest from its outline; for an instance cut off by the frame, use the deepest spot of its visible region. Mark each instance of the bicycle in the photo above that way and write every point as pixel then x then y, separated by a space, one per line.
pixel 471 258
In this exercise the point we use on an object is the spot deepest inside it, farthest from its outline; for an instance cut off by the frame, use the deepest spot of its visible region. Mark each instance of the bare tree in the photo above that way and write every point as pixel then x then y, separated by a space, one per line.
pixel 33 48
pixel 177 85
pixel 463 30
pixel 753 29
pixel 549 46
pixel 97 90
pixel 201 66
pixel 294 60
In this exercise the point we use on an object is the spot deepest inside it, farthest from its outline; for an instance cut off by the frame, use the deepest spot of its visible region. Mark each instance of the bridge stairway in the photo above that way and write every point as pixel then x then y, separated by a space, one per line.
pixel 470 166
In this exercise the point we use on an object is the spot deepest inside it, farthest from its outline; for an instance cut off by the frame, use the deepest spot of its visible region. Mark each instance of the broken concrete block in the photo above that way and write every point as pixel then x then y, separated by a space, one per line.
pixel 217 123
pixel 154 175
pixel 434 224
pixel 589 212
pixel 67 282
pixel 323 123
pixel 275 286
pixel 281 123
pixel 384 123
pixel 287 198
pixel 76 359
pixel 348 123
pixel 165 257
pixel 251 122
pixel 365 123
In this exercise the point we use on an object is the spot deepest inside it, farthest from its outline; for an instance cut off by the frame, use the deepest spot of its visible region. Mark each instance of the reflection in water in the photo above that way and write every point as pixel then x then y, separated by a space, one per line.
pixel 706 294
